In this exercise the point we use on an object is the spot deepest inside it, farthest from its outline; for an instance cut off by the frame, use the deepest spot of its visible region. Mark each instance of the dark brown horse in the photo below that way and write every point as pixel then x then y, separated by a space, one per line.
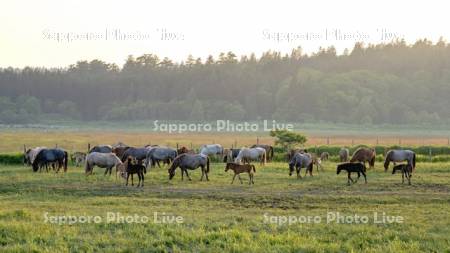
pixel 364 155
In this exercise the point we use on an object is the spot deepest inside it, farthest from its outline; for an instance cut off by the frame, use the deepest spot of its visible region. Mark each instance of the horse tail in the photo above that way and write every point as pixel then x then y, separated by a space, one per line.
pixel 253 167
pixel 271 153
pixel 414 161
pixel 66 158
pixel 265 157
pixel 372 162
pixel 207 164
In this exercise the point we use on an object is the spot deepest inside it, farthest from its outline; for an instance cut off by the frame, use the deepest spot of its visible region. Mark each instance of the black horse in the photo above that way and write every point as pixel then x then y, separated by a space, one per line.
pixel 50 156
pixel 359 168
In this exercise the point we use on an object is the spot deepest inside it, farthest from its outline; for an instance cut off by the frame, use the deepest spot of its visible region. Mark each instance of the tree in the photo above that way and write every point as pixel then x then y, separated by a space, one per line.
pixel 287 139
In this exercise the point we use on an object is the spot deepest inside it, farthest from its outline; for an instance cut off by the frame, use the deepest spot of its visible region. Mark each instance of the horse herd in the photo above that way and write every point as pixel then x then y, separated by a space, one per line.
pixel 129 160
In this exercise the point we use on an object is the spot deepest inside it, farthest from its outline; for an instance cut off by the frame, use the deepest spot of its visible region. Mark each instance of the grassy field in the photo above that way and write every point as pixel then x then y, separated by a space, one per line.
pixel 219 217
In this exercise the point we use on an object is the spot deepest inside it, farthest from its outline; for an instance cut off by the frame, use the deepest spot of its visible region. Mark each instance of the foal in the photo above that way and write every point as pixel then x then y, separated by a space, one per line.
pixel 135 169
pixel 352 167
pixel 241 168
pixel 406 170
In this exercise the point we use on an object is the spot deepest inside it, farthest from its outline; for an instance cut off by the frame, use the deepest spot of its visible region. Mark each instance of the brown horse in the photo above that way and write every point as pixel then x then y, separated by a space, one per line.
pixel 184 150
pixel 364 155
pixel 241 168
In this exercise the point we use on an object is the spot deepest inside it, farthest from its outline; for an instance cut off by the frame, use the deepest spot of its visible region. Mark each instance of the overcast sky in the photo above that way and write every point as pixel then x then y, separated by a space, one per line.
pixel 55 33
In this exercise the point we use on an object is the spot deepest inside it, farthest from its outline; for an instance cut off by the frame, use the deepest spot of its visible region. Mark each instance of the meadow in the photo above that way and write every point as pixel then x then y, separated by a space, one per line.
pixel 219 217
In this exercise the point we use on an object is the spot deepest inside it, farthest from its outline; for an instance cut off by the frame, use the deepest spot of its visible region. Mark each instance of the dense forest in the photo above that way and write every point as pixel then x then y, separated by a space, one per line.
pixel 393 83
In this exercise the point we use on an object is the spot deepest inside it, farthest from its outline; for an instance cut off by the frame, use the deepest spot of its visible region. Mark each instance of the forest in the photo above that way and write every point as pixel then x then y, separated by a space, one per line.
pixel 393 83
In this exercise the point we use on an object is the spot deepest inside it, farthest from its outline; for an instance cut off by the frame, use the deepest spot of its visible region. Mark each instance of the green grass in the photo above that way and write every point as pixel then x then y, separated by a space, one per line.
pixel 219 217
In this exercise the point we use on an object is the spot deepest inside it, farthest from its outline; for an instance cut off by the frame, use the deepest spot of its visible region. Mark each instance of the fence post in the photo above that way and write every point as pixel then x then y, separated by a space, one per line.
pixel 430 153
pixel 257 140
pixel 328 140
pixel 378 142
pixel 89 146
pixel 177 146
pixel 235 143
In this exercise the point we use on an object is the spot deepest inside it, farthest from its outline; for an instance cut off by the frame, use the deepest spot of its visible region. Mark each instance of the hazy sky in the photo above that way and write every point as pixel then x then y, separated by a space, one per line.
pixel 55 33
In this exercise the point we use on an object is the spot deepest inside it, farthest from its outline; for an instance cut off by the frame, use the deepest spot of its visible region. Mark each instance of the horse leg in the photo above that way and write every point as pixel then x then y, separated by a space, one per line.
pixel 403 177
pixel 232 181
pixel 139 176
pixel 182 174
pixel 349 178
pixel 203 173
pixel 250 178
pixel 106 171
pixel 298 172
pixel 188 176
pixel 240 179
pixel 142 184
pixel 128 176
pixel 365 178
pixel 132 181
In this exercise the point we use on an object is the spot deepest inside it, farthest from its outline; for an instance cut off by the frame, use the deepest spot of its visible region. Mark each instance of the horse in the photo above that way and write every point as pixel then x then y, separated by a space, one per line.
pixel 101 149
pixel 230 154
pixel 102 160
pixel 211 149
pixel 134 169
pixel 241 168
pixel 30 154
pixel 360 168
pixel 324 156
pixel 406 170
pixel 251 154
pixel 290 154
pixel 183 150
pixel 47 156
pixel 157 154
pixel 299 161
pixel 268 148
pixel 78 158
pixel 344 153
pixel 398 156
pixel 140 154
pixel 364 155
pixel 120 150
pixel 190 162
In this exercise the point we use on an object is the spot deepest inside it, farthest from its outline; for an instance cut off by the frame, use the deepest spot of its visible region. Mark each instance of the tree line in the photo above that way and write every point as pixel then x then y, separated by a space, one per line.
pixel 394 83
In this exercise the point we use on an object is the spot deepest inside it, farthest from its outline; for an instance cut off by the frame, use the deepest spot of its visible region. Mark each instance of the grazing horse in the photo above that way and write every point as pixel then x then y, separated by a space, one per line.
pixel 78 158
pixel 268 148
pixel 324 156
pixel 398 156
pixel 102 160
pixel 212 149
pixel 359 168
pixel 101 149
pixel 406 171
pixel 30 154
pixel 157 154
pixel 251 154
pixel 344 153
pixel 190 162
pixel 230 154
pixel 364 155
pixel 50 156
pixel 299 161
pixel 241 168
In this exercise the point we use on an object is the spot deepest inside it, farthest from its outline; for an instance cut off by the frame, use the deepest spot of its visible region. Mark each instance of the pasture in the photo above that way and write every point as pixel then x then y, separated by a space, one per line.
pixel 220 217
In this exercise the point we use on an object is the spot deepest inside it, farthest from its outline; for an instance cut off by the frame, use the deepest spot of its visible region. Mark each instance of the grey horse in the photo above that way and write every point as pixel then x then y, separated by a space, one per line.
pixel 102 160
pixel 140 154
pixel 190 162
pixel 397 156
pixel 299 161
pixel 157 154
pixel 344 154
pixel 101 149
